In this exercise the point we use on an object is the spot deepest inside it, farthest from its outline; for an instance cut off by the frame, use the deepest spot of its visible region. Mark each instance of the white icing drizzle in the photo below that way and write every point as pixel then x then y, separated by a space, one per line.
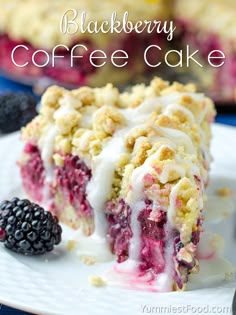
pixel 46 145
pixel 47 141
pixel 167 275
pixel 172 108
pixel 103 167
pixel 64 111
pixel 172 138
pixel 172 202
pixel 68 105
pixel 94 246
pixel 98 190
pixel 134 248
pixel 177 137
pixel 99 187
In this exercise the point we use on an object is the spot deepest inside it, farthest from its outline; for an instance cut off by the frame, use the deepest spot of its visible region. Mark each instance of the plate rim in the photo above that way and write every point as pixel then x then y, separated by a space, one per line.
pixel 31 309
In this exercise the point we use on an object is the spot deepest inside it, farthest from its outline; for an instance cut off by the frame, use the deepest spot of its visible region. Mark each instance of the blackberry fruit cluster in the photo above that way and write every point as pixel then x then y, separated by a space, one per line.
pixel 27 228
pixel 16 110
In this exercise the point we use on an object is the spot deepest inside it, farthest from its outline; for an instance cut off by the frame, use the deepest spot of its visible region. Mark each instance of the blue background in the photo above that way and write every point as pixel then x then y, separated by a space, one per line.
pixel 7 85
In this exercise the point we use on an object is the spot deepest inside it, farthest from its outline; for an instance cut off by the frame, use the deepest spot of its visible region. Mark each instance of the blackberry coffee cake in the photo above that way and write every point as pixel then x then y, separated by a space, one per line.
pixel 127 170
pixel 36 25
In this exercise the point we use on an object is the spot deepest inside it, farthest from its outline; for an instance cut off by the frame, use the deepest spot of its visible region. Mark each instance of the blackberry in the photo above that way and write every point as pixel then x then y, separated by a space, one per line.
pixel 16 110
pixel 27 228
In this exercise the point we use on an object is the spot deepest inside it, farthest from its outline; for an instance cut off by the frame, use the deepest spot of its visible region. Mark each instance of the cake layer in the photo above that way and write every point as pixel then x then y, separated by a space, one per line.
pixel 128 170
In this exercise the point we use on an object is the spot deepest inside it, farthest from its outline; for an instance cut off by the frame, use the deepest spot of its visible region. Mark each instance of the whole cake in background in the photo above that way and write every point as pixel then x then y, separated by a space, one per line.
pixel 203 25
pixel 206 26
pixel 128 171
pixel 36 24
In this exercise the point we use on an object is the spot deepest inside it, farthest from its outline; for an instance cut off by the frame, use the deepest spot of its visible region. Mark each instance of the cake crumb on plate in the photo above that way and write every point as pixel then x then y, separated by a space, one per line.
pixel 96 281
pixel 224 191
pixel 88 260
pixel 71 244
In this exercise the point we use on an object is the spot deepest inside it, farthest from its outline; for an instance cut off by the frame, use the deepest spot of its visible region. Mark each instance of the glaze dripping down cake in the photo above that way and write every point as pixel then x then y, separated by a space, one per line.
pixel 127 170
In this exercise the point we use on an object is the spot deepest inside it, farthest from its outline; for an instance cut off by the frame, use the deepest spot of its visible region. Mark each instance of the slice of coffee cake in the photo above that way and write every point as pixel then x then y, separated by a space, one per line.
pixel 128 170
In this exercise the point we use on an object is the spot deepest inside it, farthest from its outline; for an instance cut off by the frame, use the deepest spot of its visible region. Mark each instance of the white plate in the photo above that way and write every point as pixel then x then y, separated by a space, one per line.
pixel 58 283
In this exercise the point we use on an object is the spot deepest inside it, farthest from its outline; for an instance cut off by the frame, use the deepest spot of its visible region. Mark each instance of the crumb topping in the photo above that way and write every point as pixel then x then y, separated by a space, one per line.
pixel 157 137
pixel 108 120
pixel 58 159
